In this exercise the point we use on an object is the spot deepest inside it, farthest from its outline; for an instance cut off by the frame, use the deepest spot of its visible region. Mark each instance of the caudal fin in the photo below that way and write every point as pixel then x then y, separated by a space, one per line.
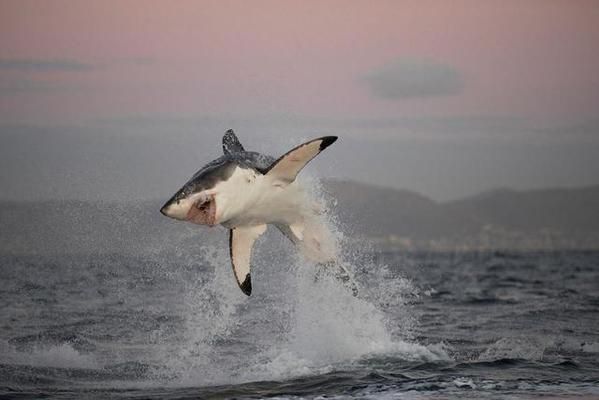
pixel 315 242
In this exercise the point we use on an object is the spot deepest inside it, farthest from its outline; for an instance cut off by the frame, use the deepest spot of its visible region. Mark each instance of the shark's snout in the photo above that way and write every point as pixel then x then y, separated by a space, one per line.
pixel 164 209
pixel 174 210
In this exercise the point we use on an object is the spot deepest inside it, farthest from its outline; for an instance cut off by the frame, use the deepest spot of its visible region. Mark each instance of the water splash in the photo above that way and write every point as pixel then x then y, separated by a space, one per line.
pixel 58 356
pixel 297 322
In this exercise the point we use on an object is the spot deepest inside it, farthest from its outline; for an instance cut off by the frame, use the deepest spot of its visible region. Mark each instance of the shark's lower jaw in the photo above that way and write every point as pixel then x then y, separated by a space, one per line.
pixel 203 212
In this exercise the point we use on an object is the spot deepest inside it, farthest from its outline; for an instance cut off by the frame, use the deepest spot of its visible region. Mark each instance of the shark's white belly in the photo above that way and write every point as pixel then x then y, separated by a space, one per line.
pixel 250 198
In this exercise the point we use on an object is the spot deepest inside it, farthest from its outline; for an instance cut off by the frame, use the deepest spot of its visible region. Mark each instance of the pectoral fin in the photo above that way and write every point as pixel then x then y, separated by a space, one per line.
pixel 285 169
pixel 241 241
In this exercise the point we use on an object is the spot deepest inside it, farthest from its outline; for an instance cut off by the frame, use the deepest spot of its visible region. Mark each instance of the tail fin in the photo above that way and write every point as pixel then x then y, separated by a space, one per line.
pixel 316 243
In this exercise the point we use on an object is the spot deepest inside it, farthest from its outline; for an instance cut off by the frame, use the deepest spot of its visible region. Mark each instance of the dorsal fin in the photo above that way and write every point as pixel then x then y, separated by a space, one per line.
pixel 285 169
pixel 230 143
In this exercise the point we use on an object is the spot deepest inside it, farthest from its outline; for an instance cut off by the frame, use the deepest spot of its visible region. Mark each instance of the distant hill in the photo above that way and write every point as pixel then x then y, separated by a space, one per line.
pixel 567 210
pixel 500 219
pixel 376 211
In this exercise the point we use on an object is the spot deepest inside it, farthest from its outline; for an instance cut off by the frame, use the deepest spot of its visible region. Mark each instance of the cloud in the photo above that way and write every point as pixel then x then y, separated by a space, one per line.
pixel 407 78
pixel 37 65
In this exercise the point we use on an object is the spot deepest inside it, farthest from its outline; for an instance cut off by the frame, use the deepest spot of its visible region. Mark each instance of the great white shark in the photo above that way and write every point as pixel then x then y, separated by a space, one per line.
pixel 245 191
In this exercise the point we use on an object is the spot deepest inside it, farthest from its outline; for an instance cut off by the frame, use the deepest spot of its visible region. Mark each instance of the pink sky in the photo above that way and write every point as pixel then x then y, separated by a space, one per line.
pixel 537 59
pixel 448 97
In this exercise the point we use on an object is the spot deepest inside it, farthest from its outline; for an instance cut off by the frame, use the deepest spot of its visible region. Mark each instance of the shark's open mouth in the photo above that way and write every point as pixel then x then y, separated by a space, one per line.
pixel 203 212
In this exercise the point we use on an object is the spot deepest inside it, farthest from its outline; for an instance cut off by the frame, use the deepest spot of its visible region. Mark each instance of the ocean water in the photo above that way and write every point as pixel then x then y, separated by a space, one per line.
pixel 173 324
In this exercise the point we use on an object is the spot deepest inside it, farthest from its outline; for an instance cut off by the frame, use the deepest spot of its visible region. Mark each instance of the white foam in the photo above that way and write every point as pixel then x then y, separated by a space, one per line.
pixel 463 382
pixel 59 356
pixel 591 347
pixel 522 347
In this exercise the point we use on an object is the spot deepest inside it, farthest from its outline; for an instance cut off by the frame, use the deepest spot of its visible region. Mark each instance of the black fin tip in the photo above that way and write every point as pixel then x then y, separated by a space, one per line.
pixel 246 286
pixel 327 141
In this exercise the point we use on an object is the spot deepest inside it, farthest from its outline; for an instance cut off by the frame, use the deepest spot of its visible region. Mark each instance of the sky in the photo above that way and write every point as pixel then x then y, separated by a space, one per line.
pixel 126 99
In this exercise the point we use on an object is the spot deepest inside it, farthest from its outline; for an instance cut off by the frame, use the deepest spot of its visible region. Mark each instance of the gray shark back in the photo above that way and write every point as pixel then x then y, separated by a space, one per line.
pixel 244 159
pixel 234 150
pixel 251 159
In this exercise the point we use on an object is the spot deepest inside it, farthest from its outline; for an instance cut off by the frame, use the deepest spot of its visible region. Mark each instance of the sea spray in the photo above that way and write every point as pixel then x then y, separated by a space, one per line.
pixel 210 303
pixel 297 322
